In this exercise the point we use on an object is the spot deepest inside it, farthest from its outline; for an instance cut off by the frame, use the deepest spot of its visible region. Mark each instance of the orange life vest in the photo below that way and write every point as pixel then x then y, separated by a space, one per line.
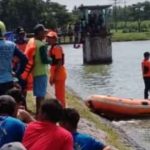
pixel 29 52
pixel 146 68
pixel 56 53
pixel 22 47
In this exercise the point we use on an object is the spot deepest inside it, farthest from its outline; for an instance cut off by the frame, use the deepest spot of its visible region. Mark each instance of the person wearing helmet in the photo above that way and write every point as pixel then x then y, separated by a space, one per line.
pixel 57 71
pixel 9 50
pixel 2 29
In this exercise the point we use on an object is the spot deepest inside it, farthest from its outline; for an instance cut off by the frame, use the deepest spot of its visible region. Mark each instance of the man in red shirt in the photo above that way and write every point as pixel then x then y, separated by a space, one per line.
pixel 45 134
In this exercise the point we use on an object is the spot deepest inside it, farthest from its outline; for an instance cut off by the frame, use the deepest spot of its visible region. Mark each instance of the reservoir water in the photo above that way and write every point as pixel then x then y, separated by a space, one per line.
pixel 122 78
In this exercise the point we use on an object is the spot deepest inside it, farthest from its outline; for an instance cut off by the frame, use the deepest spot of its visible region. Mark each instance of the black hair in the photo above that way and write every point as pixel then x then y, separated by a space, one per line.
pixel 52 109
pixel 7 105
pixel 146 54
pixel 16 94
pixel 1 34
pixel 71 116
pixel 19 30
pixel 38 28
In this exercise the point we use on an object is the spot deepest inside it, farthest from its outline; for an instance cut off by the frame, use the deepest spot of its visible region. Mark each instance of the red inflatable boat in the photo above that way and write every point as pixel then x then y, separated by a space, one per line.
pixel 114 107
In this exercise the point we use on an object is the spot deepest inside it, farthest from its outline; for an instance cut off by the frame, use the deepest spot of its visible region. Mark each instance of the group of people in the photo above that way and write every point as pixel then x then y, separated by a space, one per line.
pixel 65 31
pixel 44 133
pixel 55 126
pixel 30 60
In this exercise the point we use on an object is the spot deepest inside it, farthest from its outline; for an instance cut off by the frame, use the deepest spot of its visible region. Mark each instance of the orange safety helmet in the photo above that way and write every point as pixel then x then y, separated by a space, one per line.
pixel 52 34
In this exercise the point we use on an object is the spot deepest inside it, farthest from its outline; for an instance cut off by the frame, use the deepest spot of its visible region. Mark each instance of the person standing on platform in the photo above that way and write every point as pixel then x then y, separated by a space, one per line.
pixel 57 71
pixel 146 73
pixel 36 51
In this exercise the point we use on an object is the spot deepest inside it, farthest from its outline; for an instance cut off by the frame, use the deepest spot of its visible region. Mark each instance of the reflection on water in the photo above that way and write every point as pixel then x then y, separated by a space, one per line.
pixel 96 76
pixel 122 78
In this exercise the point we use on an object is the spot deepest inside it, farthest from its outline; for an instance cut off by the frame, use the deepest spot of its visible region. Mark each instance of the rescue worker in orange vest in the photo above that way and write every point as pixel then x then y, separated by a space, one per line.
pixel 146 73
pixel 57 71
pixel 21 42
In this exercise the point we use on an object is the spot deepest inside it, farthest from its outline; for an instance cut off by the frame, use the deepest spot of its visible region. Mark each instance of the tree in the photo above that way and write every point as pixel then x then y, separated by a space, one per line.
pixel 27 13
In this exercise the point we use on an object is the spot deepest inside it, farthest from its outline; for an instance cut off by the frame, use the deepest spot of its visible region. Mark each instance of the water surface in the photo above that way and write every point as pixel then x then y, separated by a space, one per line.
pixel 122 78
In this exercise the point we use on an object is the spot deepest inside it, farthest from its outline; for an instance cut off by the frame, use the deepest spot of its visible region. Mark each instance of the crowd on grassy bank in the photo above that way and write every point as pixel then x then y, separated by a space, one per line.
pixel 90 123
pixel 53 120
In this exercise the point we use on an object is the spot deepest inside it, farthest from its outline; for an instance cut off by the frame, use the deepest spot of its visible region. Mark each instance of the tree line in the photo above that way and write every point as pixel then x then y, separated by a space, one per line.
pixel 27 13
pixel 138 12
pixel 132 12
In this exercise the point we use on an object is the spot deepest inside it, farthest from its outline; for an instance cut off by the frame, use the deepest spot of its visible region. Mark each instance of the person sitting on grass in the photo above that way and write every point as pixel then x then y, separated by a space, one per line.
pixel 11 129
pixel 22 114
pixel 69 121
pixel 45 134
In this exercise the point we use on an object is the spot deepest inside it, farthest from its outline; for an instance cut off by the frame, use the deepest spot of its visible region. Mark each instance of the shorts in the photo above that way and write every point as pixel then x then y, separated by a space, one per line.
pixel 40 86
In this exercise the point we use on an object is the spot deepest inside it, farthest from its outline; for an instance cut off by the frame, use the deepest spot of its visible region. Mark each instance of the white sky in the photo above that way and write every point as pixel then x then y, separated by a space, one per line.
pixel 71 3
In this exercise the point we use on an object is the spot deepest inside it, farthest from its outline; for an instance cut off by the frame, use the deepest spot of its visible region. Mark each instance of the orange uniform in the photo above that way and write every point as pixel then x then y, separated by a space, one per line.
pixel 146 74
pixel 146 68
pixel 58 72
pixel 22 47
pixel 29 52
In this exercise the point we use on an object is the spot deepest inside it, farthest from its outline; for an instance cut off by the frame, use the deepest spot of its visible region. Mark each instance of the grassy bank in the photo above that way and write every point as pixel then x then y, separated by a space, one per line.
pixel 132 36
pixel 113 138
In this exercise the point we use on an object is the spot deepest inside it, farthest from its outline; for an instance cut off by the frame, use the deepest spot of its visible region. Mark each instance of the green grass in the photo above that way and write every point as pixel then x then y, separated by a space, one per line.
pixel 130 24
pixel 133 36
pixel 113 138
pixel 31 102
pixel 130 32
pixel 75 102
